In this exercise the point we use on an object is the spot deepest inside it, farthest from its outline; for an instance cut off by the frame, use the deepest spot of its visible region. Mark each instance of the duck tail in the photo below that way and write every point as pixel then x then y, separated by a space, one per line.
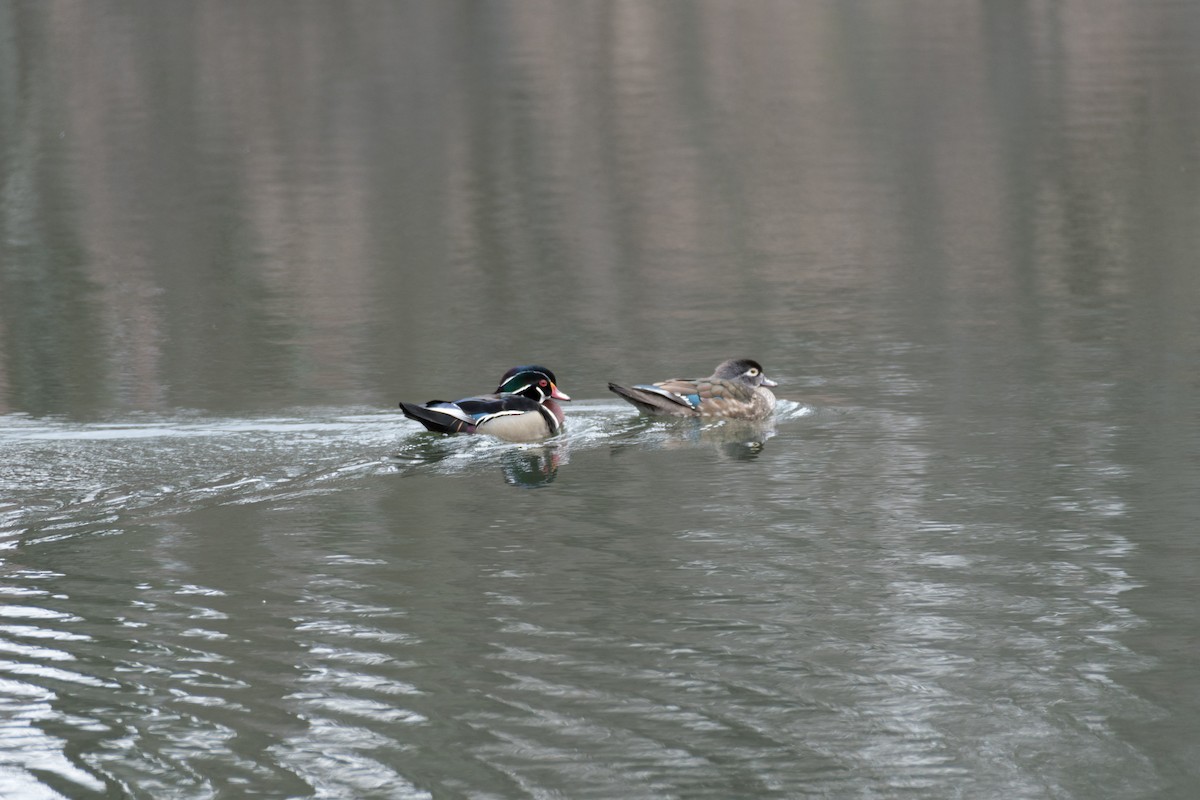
pixel 650 402
pixel 434 420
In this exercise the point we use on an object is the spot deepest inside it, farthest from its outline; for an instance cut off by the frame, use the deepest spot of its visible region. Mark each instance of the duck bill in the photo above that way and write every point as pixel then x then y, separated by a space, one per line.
pixel 556 394
pixel 769 383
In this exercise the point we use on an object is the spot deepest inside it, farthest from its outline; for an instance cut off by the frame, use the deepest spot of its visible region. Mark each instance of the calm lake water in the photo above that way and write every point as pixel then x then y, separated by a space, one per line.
pixel 963 560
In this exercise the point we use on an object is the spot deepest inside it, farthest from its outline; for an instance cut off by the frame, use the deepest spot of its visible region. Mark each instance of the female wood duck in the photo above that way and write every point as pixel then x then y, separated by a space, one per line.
pixel 738 389
pixel 522 409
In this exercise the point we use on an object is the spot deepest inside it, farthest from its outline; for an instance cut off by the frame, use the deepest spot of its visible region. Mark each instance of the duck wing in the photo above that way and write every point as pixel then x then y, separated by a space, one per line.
pixel 466 415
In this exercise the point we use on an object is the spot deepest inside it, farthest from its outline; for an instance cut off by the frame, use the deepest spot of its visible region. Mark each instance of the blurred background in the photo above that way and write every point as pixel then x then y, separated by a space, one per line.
pixel 961 235
pixel 224 207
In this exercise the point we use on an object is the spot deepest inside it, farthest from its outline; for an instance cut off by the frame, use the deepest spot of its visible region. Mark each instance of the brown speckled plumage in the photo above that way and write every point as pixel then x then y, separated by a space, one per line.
pixel 737 389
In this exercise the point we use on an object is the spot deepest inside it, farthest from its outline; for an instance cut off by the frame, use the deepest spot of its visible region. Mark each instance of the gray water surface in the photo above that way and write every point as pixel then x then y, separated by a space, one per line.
pixel 961 561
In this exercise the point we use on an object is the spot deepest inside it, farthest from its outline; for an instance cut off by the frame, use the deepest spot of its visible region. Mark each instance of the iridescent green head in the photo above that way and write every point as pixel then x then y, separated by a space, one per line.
pixel 534 382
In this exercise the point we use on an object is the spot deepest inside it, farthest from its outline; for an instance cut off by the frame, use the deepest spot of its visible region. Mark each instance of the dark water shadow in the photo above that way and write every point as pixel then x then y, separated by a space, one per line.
pixel 524 466
pixel 734 440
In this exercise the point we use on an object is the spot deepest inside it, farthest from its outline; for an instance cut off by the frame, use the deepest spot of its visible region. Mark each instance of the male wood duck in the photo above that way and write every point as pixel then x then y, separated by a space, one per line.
pixel 522 409
pixel 737 389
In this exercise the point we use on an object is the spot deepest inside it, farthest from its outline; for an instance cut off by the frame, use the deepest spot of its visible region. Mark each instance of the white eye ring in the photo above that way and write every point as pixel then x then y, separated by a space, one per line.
pixel 752 372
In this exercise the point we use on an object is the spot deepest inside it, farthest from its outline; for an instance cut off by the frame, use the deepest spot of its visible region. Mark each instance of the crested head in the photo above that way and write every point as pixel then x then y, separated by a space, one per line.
pixel 536 383
pixel 746 370
pixel 520 372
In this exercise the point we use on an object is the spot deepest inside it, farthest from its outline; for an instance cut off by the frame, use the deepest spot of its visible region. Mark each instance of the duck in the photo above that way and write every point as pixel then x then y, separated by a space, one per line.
pixel 737 389
pixel 523 408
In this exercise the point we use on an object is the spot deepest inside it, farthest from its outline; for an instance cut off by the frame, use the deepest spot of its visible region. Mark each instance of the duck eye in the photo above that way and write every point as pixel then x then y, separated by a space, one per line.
pixel 543 383
pixel 752 372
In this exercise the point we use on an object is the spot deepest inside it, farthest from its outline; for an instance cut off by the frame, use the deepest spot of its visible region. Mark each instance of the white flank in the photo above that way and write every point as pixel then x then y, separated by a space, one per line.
pixel 515 426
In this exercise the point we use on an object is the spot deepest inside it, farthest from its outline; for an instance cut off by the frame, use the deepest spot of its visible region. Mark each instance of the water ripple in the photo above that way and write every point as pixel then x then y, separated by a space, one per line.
pixel 299 612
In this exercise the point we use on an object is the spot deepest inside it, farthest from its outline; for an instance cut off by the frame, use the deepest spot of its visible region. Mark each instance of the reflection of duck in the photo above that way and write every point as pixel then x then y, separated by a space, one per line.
pixel 522 409
pixel 737 389
pixel 741 440
pixel 531 468
pixel 522 465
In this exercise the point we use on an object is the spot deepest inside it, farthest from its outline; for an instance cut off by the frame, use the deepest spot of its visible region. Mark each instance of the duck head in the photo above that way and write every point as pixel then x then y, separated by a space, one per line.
pixel 746 370
pixel 536 383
